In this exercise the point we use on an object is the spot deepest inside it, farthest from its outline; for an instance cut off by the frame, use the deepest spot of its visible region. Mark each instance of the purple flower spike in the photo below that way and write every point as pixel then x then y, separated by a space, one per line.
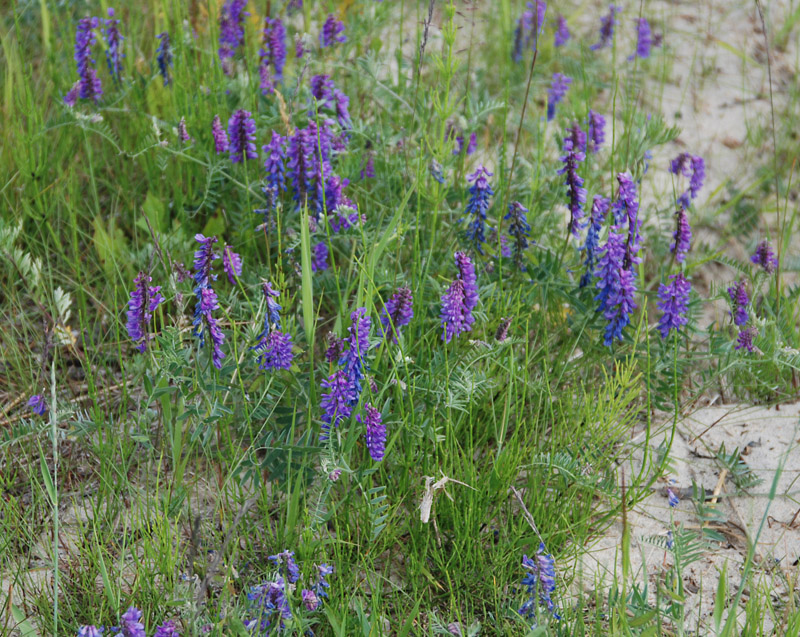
pixel 286 560
pixel 183 133
pixel 113 40
pixel 673 303
pixel 319 259
pixel 89 86
pixel 204 320
pixel 739 302
pixel 562 34
pixel 478 205
pixel 466 272
pixel 90 631
pixel 144 300
pixel 231 32
pixel 167 629
pixel 398 312
pixel 529 27
pixel 540 580
pixel 473 143
pixel 765 257
pixel 275 351
pixel 332 32
pixel 576 193
pixel 232 264
pixel 607 24
pixel 130 626
pixel 219 135
pixel 310 600
pixel 694 167
pixel 597 132
pixel 164 57
pixel 354 359
pixel 38 404
pixel 617 286
pixel 558 89
pixel 520 229
pixel 272 54
pixel 204 256
pixel 600 206
pixel 672 499
pixel 745 339
pixel 644 39
pixel 301 164
pixel 682 236
pixel 274 156
pixel 368 170
pixel 376 432
pixel 242 134
pixel 459 300
pixel 337 402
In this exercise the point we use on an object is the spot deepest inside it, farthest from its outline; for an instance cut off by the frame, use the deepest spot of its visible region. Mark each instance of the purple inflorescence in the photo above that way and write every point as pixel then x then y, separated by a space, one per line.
pixel 739 302
pixel 231 32
pixel 466 272
pixel 520 229
pixel 319 257
pixel 376 432
pixel 285 561
pixel 558 89
pixel 540 581
pixel 460 299
pixel 597 132
pixel 368 169
pixel 242 135
pixel 529 27
pixel 745 339
pixel 113 40
pixel 88 85
pixel 673 303
pixel 130 624
pixel 398 312
pixel 576 193
pixel 477 206
pixel 90 631
pixel 272 55
pixel 310 600
pixel 219 135
pixel 644 39
pixel 144 300
pixel 322 88
pixel 204 319
pixel 38 404
pixel 167 629
pixel 335 348
pixel 275 351
pixel 332 32
pixel 562 34
pixel 232 264
pixel 164 57
pixel 337 402
pixel 607 24
pixel 269 607
pixel 301 164
pixel 682 237
pixel 354 359
pixel 764 256
pixel 597 217
pixel 672 498
pixel 694 167
pixel 183 133
pixel 274 156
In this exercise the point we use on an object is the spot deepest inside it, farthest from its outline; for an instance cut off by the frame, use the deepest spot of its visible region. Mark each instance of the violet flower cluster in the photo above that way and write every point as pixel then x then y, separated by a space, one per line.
pixel 231 264
pixel 764 256
pixel 540 582
pixel 576 193
pixel 478 205
pixel 274 160
pixel 231 32
pixel 562 34
pixel 597 217
pixel 38 404
pixel 459 300
pixel 644 39
pixel 274 347
pixel 740 300
pixel 673 303
pixel 375 432
pixel 242 136
pixel 693 167
pixel 519 229
pixel 272 56
pixel 144 300
pixel 270 607
pixel 558 89
pixel 113 40
pixel 607 24
pixel 332 32
pixel 313 597
pixel 682 237
pixel 88 85
pixel 221 144
pixel 397 313
pixel 529 27
pixel 164 57
pixel 204 320
pixel 131 625
pixel 597 131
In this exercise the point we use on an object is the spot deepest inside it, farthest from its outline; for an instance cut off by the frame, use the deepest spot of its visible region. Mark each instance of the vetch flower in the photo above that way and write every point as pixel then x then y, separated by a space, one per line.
pixel 745 339
pixel 231 32
pixel 562 34
pixel 337 402
pixel 310 600
pixel 321 585
pixel 272 56
pixel 332 32
pixel 617 286
pixel 204 257
pixel 285 561
pixel 607 24
pixel 354 359
pixel 477 206
pixel 540 581
pixel 89 85
pixel 520 229
pixel 274 156
pixel 436 171
pixel 682 236
pixel 597 133
pixel 219 135
pixel 529 27
pixel 90 631
pixel 242 134
pixel 597 217
pixel 232 264
pixel 368 169
pixel 144 300
pixel 673 303
pixel 644 39
pixel 130 626
pixel 164 56
pixel 167 629
pixel 204 321
pixel 764 256
pixel 398 312
pixel 456 317
pixel 319 257
pixel 38 404
pixel 576 193
pixel 113 40
pixel 335 348
pixel 466 272
pixel 275 351
pixel 269 606
pixel 737 293
pixel 376 432
pixel 183 134
pixel 693 167
pixel 301 164
pixel 558 89
pixel 672 499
